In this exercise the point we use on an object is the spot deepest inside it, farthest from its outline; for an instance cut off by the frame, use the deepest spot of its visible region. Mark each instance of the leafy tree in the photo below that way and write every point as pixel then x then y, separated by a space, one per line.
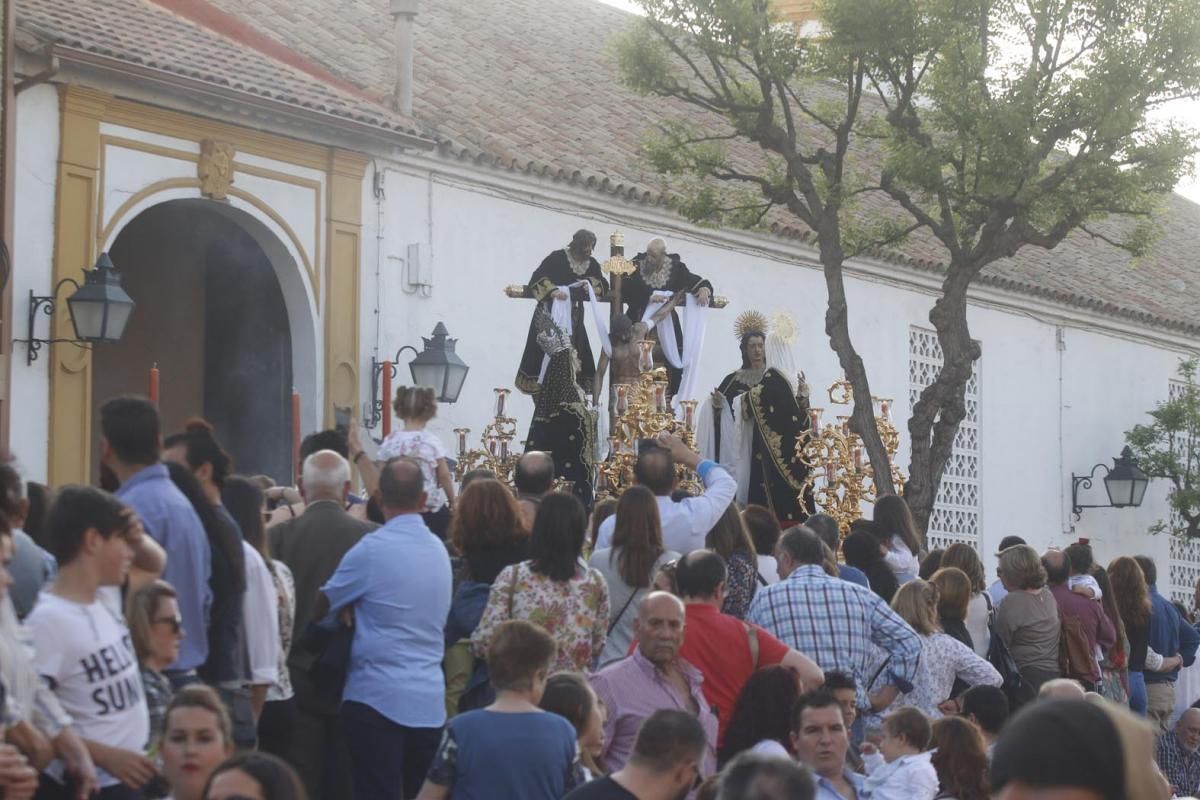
pixel 968 128
pixel 1169 447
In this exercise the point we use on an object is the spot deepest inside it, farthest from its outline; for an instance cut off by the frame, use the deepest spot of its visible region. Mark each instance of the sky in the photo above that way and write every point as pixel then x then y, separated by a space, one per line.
pixel 1186 111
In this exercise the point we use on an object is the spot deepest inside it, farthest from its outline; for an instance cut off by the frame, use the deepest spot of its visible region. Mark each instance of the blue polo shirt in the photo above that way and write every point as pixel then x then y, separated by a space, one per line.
pixel 171 521
pixel 398 579
pixel 825 790
pixel 1170 634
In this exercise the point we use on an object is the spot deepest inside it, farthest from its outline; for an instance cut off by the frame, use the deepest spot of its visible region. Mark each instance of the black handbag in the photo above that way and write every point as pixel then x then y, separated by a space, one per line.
pixel 331 641
pixel 1011 682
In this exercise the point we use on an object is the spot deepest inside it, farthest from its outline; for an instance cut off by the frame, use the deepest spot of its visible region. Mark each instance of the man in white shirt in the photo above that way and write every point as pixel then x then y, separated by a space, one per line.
pixel 686 523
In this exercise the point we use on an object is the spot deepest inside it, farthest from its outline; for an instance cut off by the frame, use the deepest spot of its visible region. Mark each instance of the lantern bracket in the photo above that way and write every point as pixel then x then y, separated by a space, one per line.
pixel 47 304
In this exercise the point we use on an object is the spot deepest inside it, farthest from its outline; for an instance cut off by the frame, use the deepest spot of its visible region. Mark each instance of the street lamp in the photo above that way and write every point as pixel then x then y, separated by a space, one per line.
pixel 1125 483
pixel 437 365
pixel 99 308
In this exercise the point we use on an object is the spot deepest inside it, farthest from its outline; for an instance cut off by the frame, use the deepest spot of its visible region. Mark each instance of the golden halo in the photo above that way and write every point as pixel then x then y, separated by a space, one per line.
pixel 784 327
pixel 750 322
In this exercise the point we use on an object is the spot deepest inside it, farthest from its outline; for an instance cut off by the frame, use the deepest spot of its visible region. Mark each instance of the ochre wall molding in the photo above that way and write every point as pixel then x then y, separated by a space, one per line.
pixel 80 230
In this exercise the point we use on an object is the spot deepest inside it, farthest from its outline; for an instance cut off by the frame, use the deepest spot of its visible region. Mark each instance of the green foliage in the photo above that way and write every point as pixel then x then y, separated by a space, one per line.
pixel 1169 447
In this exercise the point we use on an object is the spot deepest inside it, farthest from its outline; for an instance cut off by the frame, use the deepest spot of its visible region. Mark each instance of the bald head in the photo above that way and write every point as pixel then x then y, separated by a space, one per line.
pixel 1062 689
pixel 535 473
pixel 1187 730
pixel 1058 568
pixel 325 476
pixel 659 628
pixel 401 488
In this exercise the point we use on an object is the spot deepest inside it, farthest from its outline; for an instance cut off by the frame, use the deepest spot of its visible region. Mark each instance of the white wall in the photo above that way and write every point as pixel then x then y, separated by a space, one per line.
pixel 478 242
pixel 33 257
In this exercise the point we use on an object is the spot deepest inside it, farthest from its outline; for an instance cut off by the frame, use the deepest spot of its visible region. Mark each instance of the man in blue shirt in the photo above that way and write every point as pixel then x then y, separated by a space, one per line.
pixel 1170 635
pixel 397 581
pixel 820 739
pixel 826 527
pixel 130 447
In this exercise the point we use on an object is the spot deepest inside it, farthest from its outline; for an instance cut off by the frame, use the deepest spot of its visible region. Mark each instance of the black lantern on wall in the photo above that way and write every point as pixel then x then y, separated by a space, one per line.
pixel 437 365
pixel 99 309
pixel 1125 484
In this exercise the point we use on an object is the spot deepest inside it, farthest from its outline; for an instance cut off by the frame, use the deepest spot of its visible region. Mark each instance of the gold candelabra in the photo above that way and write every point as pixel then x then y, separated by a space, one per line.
pixel 642 410
pixel 496 452
pixel 839 474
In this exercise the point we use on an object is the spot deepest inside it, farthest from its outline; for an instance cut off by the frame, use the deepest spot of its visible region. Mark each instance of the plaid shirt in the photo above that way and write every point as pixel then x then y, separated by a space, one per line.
pixel 835 623
pixel 1181 768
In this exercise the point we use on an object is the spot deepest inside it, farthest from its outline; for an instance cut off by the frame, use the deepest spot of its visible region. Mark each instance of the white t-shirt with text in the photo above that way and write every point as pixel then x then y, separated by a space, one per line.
pixel 86 655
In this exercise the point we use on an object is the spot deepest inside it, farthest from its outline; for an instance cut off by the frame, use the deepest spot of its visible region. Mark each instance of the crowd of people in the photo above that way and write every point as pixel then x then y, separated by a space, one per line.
pixel 187 632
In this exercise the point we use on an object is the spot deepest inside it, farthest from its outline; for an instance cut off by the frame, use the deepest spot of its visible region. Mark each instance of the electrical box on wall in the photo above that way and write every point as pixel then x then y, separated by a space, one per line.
pixel 418 272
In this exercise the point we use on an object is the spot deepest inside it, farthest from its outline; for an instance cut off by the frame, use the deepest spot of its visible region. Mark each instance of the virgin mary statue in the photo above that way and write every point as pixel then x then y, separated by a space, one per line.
pixel 753 420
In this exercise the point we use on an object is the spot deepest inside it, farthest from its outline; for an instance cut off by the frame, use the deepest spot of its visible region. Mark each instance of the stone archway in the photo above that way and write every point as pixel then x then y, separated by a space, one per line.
pixel 223 312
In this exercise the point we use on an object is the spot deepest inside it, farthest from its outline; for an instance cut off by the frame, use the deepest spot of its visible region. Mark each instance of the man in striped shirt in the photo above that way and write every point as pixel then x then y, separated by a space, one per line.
pixel 835 622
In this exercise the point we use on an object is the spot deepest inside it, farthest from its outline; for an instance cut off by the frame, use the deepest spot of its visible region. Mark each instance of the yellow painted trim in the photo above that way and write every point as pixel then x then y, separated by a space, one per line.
pixel 76 201
pixel 192 128
pixel 194 183
pixel 80 228
pixel 342 281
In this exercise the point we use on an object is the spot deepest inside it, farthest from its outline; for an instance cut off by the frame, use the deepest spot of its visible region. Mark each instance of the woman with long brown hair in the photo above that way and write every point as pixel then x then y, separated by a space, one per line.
pixel 960 760
pixel 487 531
pixel 1132 598
pixel 730 540
pixel 979 609
pixel 629 566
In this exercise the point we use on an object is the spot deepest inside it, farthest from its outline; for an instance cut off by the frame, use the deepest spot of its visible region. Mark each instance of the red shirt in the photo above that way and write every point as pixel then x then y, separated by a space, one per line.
pixel 719 646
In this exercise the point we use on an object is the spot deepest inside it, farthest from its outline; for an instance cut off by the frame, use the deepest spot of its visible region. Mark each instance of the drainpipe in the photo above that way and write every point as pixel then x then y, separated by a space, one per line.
pixel 404 14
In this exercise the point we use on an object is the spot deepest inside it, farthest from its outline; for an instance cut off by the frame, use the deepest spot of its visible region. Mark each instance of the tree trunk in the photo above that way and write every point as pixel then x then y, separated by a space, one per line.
pixel 837 327
pixel 941 408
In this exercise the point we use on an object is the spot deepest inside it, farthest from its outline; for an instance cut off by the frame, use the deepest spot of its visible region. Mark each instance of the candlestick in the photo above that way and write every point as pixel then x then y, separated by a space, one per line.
pixel 501 400
pixel 461 433
pixel 154 384
pixel 660 397
pixel 689 415
pixel 858 459
pixel 814 416
pixel 387 399
pixel 646 357
pixel 491 443
pixel 622 397
pixel 504 447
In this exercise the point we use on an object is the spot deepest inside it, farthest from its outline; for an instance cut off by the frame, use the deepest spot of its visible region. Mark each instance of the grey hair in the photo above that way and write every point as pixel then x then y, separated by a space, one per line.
pixel 22 486
pixel 325 481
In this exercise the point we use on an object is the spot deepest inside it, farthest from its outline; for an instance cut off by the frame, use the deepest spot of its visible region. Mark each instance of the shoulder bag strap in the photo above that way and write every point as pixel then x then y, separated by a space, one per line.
pixel 613 625
pixel 761 580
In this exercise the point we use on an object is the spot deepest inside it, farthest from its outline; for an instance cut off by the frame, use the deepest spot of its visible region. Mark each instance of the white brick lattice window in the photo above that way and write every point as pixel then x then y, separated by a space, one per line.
pixel 956 514
pixel 1185 555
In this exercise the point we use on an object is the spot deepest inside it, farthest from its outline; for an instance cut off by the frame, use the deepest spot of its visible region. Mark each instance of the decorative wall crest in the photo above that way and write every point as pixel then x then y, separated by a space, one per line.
pixel 215 168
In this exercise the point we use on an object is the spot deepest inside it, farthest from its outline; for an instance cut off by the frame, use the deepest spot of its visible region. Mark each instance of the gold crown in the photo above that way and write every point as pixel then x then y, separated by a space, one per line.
pixel 750 322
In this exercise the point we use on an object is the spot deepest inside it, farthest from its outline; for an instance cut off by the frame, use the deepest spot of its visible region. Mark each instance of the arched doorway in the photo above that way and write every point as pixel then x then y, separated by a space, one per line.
pixel 212 314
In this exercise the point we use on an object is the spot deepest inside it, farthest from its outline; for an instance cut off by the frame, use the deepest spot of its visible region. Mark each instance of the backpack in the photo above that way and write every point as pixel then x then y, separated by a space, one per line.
pixel 479 692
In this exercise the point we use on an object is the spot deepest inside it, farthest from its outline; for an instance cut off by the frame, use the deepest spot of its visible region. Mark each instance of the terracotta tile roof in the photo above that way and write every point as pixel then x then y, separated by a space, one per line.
pixel 148 35
pixel 530 86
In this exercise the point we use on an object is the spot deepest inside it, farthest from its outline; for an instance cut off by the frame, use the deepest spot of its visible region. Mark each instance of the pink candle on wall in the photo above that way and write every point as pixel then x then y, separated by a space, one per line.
pixel 154 384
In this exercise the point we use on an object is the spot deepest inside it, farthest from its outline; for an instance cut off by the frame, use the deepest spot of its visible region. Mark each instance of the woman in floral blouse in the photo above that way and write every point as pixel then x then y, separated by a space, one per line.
pixel 730 540
pixel 553 589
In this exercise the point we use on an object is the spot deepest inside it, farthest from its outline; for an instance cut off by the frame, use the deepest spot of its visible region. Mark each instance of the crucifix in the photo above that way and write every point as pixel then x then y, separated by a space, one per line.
pixel 626 334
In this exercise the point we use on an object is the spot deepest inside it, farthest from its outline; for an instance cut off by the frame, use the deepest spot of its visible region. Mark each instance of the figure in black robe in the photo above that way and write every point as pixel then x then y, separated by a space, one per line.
pixel 563 424
pixel 659 271
pixel 562 268
pixel 779 418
